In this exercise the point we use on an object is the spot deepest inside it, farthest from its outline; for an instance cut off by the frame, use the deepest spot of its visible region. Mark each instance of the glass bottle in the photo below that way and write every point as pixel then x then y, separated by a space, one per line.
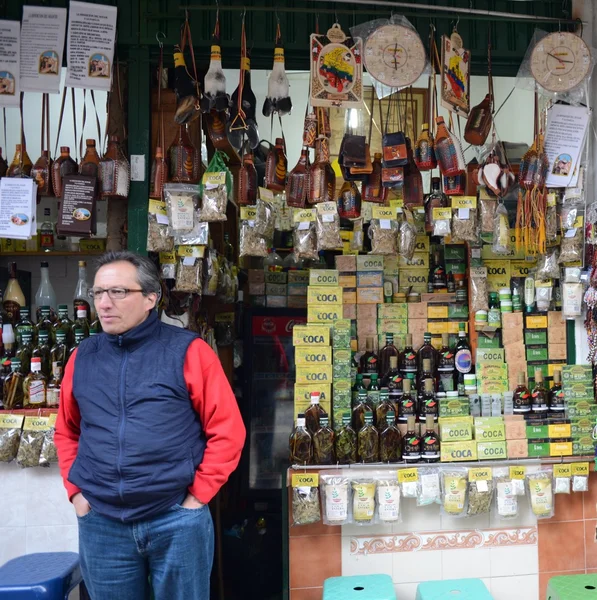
pixel 349 201
pixel 90 163
pixel 4 372
pixel 346 442
pixel 393 381
pixel 358 412
pixel 314 413
pixel 42 351
pixel 436 199
pixel 46 233
pixel 408 403
pixel 424 150
pixel 81 322
pixel 13 295
pixel 21 164
pixel 356 388
pixel 382 409
pixel 54 385
pixel 41 173
pixel 425 375
pixel 429 405
pixel 24 352
pixel 322 182
pixel 446 365
pixel 368 441
pixel 272 260
pixel 323 444
pixel 63 166
pixel 557 402
pixel 3 165
pixel 45 295
pixel 81 295
pixel 430 452
pixel 115 172
pixel 183 158
pixel 59 351
pixel 369 362
pixel 64 324
pixel 44 322
pixel 430 275
pixel 494 316
pixel 451 284
pixel 373 190
pixel 411 443
pixel 301 443
pixel 9 346
pixel 522 396
pixel 95 327
pixel 159 173
pixel 25 325
pixel 428 352
pixel 390 440
pixel 439 275
pixel 12 385
pixel 34 386
pixel 463 358
pixel 373 393
pixel 539 395
pixel 79 337
pixel 386 353
pixel 408 358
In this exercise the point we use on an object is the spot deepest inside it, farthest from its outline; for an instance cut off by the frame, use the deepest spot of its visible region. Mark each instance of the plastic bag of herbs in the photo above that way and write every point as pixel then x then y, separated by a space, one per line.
pixel 32 439
pixel 215 188
pixel 10 436
pixel 305 499
pixel 49 454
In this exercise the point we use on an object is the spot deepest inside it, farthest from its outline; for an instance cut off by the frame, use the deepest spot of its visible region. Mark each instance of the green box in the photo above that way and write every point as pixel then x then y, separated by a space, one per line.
pixel 578 390
pixel 454 408
pixel 491 451
pixel 457 311
pixel 456 431
pixel 490 432
pixel 584 446
pixel 456 268
pixel 392 311
pixel 531 371
pixel 536 354
pixel 538 449
pixel 582 409
pixel 537 432
pixel 577 373
pixel 581 427
pixel 455 252
pixel 484 341
pixel 341 333
pixel 535 337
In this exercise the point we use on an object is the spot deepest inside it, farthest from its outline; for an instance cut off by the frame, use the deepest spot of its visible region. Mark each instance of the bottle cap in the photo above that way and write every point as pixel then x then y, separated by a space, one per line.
pixel 522 378
pixel 36 360
pixel 82 263
pixel 44 265
pixel 63 307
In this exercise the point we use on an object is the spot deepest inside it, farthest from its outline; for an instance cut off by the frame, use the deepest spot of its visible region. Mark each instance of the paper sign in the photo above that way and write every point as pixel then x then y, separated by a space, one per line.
pixel 90 48
pixel 10 53
pixel 17 208
pixel 42 44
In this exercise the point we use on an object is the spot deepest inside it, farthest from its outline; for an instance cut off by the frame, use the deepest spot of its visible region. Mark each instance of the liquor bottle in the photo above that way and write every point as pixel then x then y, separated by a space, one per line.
pixel 386 353
pixel 373 393
pixel 79 337
pixel 90 163
pixel 463 358
pixel 54 385
pixel 368 441
pixel 314 413
pixel 393 381
pixel 21 164
pixel 12 386
pixel 382 409
pixel 3 165
pixel 369 362
pixel 436 199
pixel 424 151
pixel 95 327
pixel 24 325
pixel 4 372
pixel 42 351
pixel 13 295
pixel 430 275
pixel 115 171
pixel 59 351
pixel 390 440
pixel 9 346
pixel 81 295
pixel 322 182
pixel 323 444
pixel 408 403
pixel 158 177
pixel 451 283
pixel 46 233
pixel 356 388
pixel 349 201
pixel 411 443
pixel 44 321
pixel 34 386
pixel 81 322
pixel 45 295
pixel 63 166
pixel 494 316
pixel 425 374
pixel 301 443
pixel 446 365
pixel 539 395
pixel 346 442
pixel 430 452
pixel 358 412
pixel 427 352
pixel 64 325
pixel 557 403
pixel 439 275
pixel 428 405
pixel 408 359
pixel 25 350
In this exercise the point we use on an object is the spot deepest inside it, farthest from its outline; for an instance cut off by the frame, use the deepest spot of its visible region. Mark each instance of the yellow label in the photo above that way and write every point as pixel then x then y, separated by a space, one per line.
pixel 245 63
pixel 307 374
pixel 481 474
pixel 498 274
pixel 397 204
pixel 36 424
pixel 327 277
pixel 438 328
pixel 536 322
pixel 490 433
pixel 560 449
pixel 562 470
pixel 442 214
pixel 456 430
pixel 491 450
pixel 383 212
pixel 226 317
pixel 167 258
pixel 313 355
pixel 278 55
pixel 437 312
pixel 194 251
pixel 408 475
pixel 328 208
pixel 11 421
pixel 580 468
pixel 52 420
pixel 156 207
pixel 324 294
pixel 94 245
pixel 266 195
pixel 578 223
pixel 464 202
pixel 305 480
pixel 518 472
pixel 310 335
pixel 560 430
pixel 179 59
pixel 551 199
pixel 304 214
pixel 248 213
pixel 521 268
pixel 214 179
pixel 324 313
pixel 458 451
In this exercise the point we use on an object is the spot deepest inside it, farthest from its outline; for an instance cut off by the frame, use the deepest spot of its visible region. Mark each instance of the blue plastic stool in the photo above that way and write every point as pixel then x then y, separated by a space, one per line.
pixel 453 589
pixel 359 587
pixel 43 576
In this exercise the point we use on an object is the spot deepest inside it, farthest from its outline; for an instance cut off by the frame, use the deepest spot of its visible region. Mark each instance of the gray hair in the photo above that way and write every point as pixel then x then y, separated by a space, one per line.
pixel 147 273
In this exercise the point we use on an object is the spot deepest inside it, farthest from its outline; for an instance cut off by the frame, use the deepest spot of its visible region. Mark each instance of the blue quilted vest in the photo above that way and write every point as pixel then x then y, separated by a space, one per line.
pixel 141 441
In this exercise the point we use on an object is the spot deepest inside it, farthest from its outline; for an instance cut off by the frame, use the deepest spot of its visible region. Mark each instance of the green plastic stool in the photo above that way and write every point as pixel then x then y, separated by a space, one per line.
pixel 572 587
pixel 453 589
pixel 359 587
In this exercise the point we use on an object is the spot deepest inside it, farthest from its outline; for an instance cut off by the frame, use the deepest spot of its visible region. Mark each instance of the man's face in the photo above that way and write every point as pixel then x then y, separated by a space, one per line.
pixel 118 316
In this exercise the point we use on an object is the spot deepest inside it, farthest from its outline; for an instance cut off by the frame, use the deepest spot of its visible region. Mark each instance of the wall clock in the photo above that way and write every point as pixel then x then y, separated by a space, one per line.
pixel 560 61
pixel 394 55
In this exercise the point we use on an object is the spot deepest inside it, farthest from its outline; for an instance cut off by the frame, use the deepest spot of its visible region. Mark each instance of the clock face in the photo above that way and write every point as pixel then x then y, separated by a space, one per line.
pixel 394 55
pixel 560 61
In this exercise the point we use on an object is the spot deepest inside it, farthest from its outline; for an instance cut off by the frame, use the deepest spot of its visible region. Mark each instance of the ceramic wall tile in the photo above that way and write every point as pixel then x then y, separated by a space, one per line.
pixel 591 544
pixel 459 564
pixel 364 564
pixel 57 538
pixel 525 517
pixel 410 568
pixel 47 502
pixel 418 518
pixel 373 530
pixel 13 496
pixel 568 507
pixel 12 543
pixel 454 523
pixel 514 560
pixel 406 591
pixel 508 588
pixel 554 538
pixel 313 559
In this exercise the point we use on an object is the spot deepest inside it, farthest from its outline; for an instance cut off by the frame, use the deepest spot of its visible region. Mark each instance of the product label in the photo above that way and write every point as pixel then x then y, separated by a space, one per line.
pixel 507 503
pixel 36 424
pixel 388 501
pixel 336 501
pixel 305 479
pixel 37 392
pixel 53 396
pixel 408 475
pixel 11 421
pixel 463 361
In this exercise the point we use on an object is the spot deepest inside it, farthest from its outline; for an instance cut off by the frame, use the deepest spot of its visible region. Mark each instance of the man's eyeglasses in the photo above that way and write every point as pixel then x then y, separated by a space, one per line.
pixel 113 293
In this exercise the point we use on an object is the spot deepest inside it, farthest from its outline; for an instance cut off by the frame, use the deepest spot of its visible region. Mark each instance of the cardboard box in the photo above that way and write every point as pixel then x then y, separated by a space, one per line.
pixel 486 341
pixel 366 327
pixel 324 277
pixel 455 252
pixel 347 281
pixel 492 450
pixel 392 311
pixel 276 289
pixel 490 432
pixel 512 320
pixel 556 336
pixel 554 320
pixel 557 351
pixel 435 311
pixel 371 295
pixel 325 313
pixel 417 325
pixel 535 337
pixel 349 296
pixel 309 375
pixel 257 300
pixel 369 262
pixel 458 451
pixel 577 373
pixel 418 340
pixel 420 260
pixel 370 279
pixel 256 289
pixel 515 353
pixel 560 449
pixel 415 278
pixel 276 301
pixel 517 448
pixel 417 310
pixel 512 336
pixel 538 449
pixel 302 396
pixel 458 311
pixel 313 355
pixel 256 276
pixel 341 333
pixel 537 432
pixel 537 354
pixel 298 276
pixel 297 301
pixel 560 430
pixel 310 335
pixel 324 295
pixel 456 430
pixel 367 311
pixel 536 321
pixel 346 263
pixel 297 289
pixel 438 327
pixel 349 311
pixel 399 326
pixel 555 366
pixel 276 277
pixel 516 430
pixel 391 265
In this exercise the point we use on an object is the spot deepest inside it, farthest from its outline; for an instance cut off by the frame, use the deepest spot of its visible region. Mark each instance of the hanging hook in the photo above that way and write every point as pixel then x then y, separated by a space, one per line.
pixel 336 16
pixel 160 36
pixel 457 21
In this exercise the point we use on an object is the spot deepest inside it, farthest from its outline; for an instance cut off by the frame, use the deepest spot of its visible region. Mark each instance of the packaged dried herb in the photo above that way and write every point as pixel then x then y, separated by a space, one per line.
pixel 580 477
pixel 430 488
pixel 211 273
pixel 305 238
pixel 571 246
pixel 506 503
pixel 454 487
pixel 388 500
pixel 356 242
pixel 265 220
pixel 551 219
pixel 363 501
pixel 465 229
pixel 158 238
pixel 547 265
pixel 541 493
pixel 346 442
pixel 198 236
pixel 335 498
pixel 300 443
pixel 328 227
pixel 410 484
pixel 487 208
pixel 384 236
pixel 479 289
pixel 168 265
pixel 214 197
pixel 323 444
pixel 442 227
pixel 368 441
pixel 49 455
pixel 182 200
pixel 251 241
pixel 408 239
pixel 189 270
pixel 480 491
pixel 10 436
pixel 32 439
pixel 305 505
pixel 501 231
pixel 562 475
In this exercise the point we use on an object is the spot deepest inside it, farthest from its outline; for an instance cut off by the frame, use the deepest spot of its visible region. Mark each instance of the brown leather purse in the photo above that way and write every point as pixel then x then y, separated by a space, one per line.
pixel 480 119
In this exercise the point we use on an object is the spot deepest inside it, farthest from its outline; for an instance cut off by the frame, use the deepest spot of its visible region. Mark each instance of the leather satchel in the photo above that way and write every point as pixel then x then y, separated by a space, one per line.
pixel 394 150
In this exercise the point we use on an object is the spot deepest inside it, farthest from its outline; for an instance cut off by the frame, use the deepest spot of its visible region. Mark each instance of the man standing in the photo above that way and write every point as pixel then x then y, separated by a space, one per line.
pixel 147 433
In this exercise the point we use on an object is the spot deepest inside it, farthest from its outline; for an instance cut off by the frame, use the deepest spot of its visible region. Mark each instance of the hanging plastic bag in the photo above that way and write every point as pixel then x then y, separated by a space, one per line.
pixel 501 231
pixel 335 498
pixel 384 236
pixel 182 200
pixel 32 439
pixel 480 492
pixel 465 226
pixel 430 487
pixel 189 270
pixel 441 227
pixel 363 501
pixel 487 208
pixel 328 226
pixel 580 477
pixel 454 491
pixel 562 476
pixel 479 289
pixel 408 237
pixel 305 505
pixel 305 238
pixel 211 273
pixel 158 239
pixel 388 500
pixel 10 436
pixel 506 499
pixel 356 242
pixel 198 236
pixel 571 247
pixel 540 489
pixel 168 265
pixel 251 240
pixel 547 265
pixel 49 455
pixel 214 197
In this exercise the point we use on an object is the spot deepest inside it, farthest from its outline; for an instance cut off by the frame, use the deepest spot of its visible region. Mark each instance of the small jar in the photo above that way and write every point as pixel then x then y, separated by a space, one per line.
pixel 481 317
pixel 506 306
pixel 414 297
pixel 452 395
pixel 505 294
pixel 399 298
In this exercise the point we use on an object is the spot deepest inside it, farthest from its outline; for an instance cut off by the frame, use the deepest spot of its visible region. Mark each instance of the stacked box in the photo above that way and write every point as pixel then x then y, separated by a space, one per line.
pixel 369 293
pixel 392 318
pixel 492 378
pixel 297 288
pixel 516 436
pixel 556 338
pixel 577 385
pixel 513 342
pixel 341 370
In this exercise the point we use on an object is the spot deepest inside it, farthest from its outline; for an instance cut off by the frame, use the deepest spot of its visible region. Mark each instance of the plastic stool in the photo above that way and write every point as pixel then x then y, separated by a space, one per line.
pixel 43 576
pixel 453 589
pixel 572 587
pixel 359 587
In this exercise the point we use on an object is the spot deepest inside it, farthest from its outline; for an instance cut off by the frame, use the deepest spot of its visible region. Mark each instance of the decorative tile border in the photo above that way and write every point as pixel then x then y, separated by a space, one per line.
pixel 443 540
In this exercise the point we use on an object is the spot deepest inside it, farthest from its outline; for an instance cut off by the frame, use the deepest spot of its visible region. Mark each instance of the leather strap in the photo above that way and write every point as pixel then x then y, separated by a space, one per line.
pixel 489 75
pixel 97 122
pixel 84 121
pixel 72 90
pixel 60 120
pixel 23 140
pixel 43 121
pixel 373 94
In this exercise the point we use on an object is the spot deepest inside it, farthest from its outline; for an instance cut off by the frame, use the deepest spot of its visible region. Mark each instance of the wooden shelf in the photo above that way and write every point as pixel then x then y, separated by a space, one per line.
pixel 47 254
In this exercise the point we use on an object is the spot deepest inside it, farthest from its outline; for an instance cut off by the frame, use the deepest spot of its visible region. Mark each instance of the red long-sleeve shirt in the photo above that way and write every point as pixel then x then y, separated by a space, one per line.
pixel 214 402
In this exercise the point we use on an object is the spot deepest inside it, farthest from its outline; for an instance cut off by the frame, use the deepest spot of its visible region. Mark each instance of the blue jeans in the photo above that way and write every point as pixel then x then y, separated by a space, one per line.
pixel 175 548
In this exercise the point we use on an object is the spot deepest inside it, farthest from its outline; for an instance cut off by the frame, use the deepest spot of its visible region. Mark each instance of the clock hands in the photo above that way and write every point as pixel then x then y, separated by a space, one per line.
pixel 395 56
pixel 560 59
